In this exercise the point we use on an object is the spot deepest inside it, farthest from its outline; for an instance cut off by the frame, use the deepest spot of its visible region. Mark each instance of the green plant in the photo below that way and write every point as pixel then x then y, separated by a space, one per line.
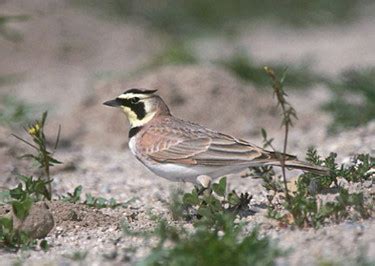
pixel 209 203
pixel 187 18
pixel 216 238
pixel 288 115
pixel 100 202
pixel 353 101
pixel 175 54
pixel 74 197
pixel 8 33
pixel 358 171
pixel 206 245
pixel 306 208
pixel 12 110
pixel 316 183
pixel 91 201
pixel 13 239
pixel 361 168
pixel 25 194
pixel 241 65
pixel 17 239
pixel 21 199
pixel 43 156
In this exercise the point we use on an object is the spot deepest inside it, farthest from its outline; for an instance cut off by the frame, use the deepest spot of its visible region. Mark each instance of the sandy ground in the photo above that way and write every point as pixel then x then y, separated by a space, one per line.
pixel 71 62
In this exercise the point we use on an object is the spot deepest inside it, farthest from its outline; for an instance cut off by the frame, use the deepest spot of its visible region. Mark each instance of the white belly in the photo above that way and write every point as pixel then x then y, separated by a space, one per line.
pixel 179 172
pixel 132 145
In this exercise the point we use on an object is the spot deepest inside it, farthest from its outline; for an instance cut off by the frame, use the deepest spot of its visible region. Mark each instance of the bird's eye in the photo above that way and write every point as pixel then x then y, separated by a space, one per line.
pixel 134 100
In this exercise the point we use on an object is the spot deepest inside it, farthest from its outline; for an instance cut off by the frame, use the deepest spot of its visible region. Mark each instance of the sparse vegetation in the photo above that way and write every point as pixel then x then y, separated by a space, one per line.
pixel 242 66
pixel 21 199
pixel 27 192
pixel 175 54
pixel 216 239
pixel 353 101
pixel 13 111
pixel 304 207
pixel 185 18
pixel 207 204
pixel 218 245
pixel 7 32
pixel 12 239
pixel 30 190
pixel 91 201
pixel 307 208
pixel 43 157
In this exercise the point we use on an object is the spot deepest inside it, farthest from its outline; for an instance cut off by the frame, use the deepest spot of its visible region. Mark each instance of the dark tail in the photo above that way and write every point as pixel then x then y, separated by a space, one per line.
pixel 304 166
pixel 292 162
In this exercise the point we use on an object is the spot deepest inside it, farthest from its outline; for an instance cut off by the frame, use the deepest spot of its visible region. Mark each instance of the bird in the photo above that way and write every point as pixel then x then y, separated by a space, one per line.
pixel 179 150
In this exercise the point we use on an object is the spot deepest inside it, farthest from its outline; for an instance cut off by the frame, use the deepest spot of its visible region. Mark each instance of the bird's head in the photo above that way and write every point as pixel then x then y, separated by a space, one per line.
pixel 140 106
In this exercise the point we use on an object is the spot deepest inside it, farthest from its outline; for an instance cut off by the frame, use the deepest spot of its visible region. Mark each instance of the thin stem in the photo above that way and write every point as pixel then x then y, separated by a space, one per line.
pixel 57 139
pixel 278 91
pixel 25 141
pixel 283 162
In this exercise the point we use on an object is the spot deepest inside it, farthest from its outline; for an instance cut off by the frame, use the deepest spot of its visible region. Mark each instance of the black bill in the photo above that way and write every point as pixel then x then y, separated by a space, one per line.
pixel 113 103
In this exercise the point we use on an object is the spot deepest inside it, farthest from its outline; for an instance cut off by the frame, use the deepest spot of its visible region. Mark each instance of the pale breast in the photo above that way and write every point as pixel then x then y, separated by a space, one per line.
pixel 132 145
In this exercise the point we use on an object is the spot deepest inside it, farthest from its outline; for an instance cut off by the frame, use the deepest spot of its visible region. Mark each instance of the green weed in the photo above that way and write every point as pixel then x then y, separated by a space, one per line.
pixel 207 204
pixel 219 245
pixel 186 18
pixel 215 240
pixel 13 111
pixel 29 190
pixel 242 66
pixel 74 197
pixel 206 247
pixel 353 101
pixel 21 199
pixel 8 33
pixel 91 201
pixel 12 239
pixel 42 155
pixel 100 202
pixel 175 54
pixel 304 207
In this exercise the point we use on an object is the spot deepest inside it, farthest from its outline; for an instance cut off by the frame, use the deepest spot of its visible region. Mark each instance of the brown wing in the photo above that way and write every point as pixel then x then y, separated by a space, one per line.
pixel 202 148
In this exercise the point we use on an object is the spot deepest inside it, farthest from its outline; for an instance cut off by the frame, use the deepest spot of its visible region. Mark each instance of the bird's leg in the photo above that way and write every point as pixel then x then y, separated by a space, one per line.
pixel 205 182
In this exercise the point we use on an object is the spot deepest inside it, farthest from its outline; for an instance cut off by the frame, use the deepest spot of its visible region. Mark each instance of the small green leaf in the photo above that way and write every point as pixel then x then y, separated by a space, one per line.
pixel 17 193
pixel 190 199
pixel 21 208
pixel 221 187
pixel 44 245
pixel 264 133
pixel 7 223
pixel 233 198
pixel 77 192
pixel 205 212
pixel 90 200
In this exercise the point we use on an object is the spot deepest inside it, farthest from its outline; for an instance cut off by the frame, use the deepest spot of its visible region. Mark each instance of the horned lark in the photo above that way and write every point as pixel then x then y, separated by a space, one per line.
pixel 182 151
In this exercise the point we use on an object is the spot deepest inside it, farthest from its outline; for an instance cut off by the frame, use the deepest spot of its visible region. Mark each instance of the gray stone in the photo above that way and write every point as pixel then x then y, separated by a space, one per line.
pixel 38 223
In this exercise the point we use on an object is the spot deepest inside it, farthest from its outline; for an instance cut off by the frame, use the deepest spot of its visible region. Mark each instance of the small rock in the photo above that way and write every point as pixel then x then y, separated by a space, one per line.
pixel 342 182
pixel 204 180
pixel 5 211
pixel 38 223
pixel 367 183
